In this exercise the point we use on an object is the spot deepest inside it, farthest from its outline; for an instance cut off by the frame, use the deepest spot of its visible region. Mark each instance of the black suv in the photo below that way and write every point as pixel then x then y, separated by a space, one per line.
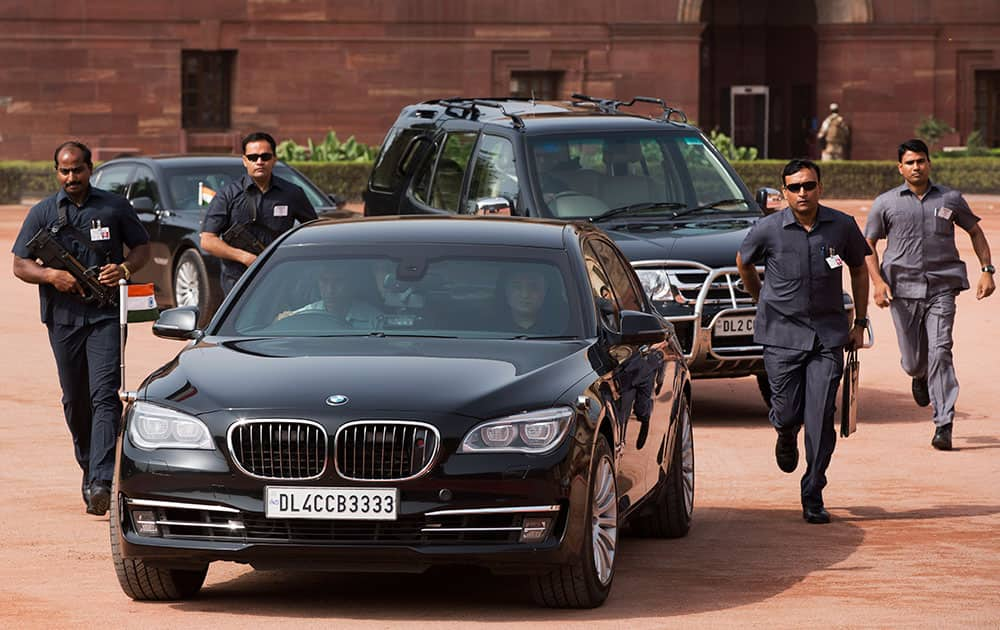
pixel 656 184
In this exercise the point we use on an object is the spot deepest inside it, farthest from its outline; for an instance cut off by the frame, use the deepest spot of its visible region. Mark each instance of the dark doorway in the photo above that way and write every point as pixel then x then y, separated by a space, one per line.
pixel 769 43
pixel 988 106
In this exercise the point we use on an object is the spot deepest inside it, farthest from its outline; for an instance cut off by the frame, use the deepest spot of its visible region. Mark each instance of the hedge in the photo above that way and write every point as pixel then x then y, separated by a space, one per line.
pixel 854 179
pixel 857 179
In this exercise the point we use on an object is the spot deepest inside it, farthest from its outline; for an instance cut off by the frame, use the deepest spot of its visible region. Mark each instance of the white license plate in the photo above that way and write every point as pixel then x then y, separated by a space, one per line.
pixel 355 504
pixel 734 326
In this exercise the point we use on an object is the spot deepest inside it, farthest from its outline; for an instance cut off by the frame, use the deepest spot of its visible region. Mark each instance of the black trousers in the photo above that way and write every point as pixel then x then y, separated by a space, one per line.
pixel 803 393
pixel 87 358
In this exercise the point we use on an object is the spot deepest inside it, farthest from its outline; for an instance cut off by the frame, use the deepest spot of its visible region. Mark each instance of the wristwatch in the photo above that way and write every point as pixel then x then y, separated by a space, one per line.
pixel 988 269
pixel 861 321
pixel 125 271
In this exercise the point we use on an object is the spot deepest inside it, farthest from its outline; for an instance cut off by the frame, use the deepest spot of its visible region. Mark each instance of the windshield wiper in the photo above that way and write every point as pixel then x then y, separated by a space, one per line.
pixel 636 207
pixel 707 206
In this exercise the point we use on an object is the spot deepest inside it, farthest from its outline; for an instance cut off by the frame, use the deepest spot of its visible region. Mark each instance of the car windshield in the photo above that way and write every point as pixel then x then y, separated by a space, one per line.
pixel 412 292
pixel 192 187
pixel 585 176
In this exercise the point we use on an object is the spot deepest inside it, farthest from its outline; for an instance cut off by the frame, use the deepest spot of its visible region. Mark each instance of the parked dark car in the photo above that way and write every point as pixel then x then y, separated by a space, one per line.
pixel 170 193
pixel 371 396
pixel 656 184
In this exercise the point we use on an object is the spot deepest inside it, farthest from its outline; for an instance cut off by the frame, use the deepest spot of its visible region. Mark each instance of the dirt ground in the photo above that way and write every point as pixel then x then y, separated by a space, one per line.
pixel 915 540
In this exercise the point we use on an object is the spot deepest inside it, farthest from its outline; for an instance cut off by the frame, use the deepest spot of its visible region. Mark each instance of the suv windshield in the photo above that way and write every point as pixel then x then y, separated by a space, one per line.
pixel 588 175
pixel 409 292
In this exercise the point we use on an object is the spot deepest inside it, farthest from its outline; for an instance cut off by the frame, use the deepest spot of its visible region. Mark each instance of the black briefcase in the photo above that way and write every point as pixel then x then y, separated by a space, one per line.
pixel 849 395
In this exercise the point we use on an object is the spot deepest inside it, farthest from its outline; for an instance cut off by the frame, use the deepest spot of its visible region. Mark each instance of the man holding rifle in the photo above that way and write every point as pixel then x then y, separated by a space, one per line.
pixel 72 246
pixel 251 212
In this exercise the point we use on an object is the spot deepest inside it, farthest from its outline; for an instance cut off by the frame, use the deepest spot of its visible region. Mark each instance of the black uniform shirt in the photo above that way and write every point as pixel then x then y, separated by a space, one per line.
pixel 920 258
pixel 242 201
pixel 102 208
pixel 802 296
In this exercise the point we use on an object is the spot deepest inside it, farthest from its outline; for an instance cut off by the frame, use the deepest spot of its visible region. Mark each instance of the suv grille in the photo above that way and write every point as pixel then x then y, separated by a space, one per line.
pixel 689 282
pixel 378 451
pixel 279 449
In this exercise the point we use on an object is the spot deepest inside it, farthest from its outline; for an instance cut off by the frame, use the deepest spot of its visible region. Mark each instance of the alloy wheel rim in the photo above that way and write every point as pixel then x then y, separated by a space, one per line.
pixel 687 462
pixel 186 285
pixel 604 529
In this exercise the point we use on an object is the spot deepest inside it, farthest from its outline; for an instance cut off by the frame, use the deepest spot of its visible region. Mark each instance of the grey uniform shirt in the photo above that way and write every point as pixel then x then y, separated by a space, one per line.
pixel 802 297
pixel 920 258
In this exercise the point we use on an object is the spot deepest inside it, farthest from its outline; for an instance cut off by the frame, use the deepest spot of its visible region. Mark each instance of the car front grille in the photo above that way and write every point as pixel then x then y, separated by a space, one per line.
pixel 279 449
pixel 381 451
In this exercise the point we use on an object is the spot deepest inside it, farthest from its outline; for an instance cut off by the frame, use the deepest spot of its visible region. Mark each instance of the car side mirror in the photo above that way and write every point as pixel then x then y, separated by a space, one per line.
pixel 494 206
pixel 768 200
pixel 640 328
pixel 143 204
pixel 178 323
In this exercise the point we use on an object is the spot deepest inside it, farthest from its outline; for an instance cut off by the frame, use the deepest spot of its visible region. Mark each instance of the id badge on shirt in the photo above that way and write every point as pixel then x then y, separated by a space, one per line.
pixel 834 261
pixel 281 211
pixel 100 233
pixel 945 213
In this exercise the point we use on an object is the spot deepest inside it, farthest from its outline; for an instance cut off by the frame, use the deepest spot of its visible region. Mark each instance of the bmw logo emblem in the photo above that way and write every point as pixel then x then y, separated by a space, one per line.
pixel 337 400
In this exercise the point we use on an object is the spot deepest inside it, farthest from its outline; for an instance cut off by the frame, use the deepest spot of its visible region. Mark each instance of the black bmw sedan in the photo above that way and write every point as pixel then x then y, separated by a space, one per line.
pixel 391 394
pixel 170 194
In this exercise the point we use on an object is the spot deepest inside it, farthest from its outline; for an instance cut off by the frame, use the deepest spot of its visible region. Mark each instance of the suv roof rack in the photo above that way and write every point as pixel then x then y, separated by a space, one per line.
pixel 469 108
pixel 611 106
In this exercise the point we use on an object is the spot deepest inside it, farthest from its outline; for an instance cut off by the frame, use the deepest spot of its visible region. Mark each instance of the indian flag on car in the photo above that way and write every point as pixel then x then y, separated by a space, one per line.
pixel 205 194
pixel 141 303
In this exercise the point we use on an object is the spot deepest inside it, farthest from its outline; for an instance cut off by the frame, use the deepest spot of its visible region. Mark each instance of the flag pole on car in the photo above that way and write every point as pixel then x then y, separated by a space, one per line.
pixel 136 303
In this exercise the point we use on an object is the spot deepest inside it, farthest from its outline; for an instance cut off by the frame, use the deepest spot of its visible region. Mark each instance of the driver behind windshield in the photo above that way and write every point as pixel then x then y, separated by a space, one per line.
pixel 342 297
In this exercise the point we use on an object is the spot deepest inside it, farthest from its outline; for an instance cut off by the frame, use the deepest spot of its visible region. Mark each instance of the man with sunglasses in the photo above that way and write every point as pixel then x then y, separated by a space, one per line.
pixel 94 226
pixel 920 275
pixel 801 321
pixel 264 204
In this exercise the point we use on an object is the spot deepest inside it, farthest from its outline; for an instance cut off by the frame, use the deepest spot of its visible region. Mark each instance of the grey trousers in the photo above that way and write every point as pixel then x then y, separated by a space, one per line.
pixel 924 332
pixel 803 393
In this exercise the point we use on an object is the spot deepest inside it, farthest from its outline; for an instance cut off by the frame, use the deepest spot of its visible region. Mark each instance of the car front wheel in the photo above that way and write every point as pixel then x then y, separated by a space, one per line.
pixel 670 514
pixel 191 287
pixel 586 582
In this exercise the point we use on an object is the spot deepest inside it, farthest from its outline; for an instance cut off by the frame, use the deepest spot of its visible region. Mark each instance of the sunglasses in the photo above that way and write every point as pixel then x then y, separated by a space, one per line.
pixel 807 186
pixel 253 157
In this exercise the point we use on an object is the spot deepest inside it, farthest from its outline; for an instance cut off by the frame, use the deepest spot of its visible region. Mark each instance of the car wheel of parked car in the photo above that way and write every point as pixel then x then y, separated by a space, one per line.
pixel 191 286
pixel 670 516
pixel 143 582
pixel 586 582
pixel 765 389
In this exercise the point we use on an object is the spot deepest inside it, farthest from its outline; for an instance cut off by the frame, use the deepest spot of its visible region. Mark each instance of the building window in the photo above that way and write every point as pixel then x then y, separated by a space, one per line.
pixel 988 106
pixel 539 84
pixel 206 87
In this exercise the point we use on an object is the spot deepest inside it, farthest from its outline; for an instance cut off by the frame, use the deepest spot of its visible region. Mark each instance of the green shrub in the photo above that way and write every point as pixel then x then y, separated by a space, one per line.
pixel 19 178
pixel 729 150
pixel 857 179
pixel 345 179
pixel 331 149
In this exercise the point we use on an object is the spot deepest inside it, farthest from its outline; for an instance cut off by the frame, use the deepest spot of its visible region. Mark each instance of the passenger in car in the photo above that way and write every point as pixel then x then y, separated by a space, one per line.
pixel 341 297
pixel 531 306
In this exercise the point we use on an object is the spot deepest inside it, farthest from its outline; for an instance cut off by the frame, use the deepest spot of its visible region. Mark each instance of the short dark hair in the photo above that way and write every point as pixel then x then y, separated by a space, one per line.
pixel 73 144
pixel 913 144
pixel 797 165
pixel 258 136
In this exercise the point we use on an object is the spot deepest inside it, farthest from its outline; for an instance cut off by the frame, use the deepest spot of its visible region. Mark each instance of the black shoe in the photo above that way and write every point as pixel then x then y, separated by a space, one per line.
pixel 100 498
pixel 85 489
pixel 920 394
pixel 942 438
pixel 786 451
pixel 817 515
pixel 643 434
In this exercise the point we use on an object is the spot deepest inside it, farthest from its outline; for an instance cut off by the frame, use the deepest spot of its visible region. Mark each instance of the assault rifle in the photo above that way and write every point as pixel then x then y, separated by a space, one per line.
pixel 240 237
pixel 44 247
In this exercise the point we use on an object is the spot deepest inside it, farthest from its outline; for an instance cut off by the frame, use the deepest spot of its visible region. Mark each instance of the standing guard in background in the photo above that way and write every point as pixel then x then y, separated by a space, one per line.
pixel 834 135
pixel 248 214
pixel 80 234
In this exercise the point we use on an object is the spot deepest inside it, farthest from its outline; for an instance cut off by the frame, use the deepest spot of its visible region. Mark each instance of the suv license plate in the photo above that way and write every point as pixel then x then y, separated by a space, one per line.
pixel 355 504
pixel 734 326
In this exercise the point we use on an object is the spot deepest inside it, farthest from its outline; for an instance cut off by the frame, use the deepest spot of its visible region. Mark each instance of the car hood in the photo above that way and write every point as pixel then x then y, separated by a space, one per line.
pixel 378 375
pixel 710 241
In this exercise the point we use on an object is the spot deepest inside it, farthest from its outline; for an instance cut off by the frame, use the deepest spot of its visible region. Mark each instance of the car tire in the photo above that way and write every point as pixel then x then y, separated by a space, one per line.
pixel 670 515
pixel 191 286
pixel 143 582
pixel 765 388
pixel 586 581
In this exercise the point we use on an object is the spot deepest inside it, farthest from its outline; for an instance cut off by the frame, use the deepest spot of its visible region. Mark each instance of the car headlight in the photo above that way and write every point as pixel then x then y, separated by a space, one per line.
pixel 656 284
pixel 532 432
pixel 152 426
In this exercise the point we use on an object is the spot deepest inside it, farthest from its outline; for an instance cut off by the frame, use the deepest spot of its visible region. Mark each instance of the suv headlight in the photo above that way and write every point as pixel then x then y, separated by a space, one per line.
pixel 533 432
pixel 152 426
pixel 656 284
